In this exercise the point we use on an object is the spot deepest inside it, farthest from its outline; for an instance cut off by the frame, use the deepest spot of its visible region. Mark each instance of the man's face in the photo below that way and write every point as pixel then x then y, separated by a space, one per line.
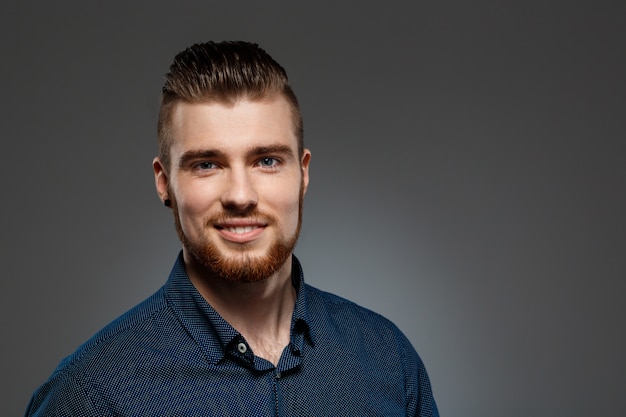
pixel 236 183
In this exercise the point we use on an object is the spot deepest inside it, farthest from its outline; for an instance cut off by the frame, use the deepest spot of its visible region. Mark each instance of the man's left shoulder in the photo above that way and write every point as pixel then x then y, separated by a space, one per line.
pixel 372 347
pixel 348 316
pixel 318 298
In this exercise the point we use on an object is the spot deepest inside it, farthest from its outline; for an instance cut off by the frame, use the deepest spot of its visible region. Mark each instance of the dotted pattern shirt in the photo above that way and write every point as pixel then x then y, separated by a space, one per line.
pixel 174 355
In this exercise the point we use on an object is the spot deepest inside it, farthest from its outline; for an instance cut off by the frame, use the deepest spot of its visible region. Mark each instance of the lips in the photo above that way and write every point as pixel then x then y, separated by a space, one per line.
pixel 240 231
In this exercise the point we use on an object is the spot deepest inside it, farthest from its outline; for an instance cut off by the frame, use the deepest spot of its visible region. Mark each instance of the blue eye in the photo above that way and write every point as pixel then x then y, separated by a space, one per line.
pixel 205 165
pixel 268 162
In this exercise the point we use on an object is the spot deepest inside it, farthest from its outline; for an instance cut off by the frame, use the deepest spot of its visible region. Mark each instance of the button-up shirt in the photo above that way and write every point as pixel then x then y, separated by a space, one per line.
pixel 174 355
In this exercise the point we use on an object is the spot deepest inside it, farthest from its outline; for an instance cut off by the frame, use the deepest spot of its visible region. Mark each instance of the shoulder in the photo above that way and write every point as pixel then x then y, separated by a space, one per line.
pixel 103 357
pixel 364 336
pixel 322 302
pixel 349 320
pixel 114 345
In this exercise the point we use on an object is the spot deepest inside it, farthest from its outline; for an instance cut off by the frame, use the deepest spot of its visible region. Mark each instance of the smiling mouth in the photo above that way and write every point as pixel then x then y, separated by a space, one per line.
pixel 244 233
pixel 238 229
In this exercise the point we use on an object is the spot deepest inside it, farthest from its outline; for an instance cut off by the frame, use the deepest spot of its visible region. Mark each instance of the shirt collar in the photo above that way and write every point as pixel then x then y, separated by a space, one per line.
pixel 210 331
pixel 301 321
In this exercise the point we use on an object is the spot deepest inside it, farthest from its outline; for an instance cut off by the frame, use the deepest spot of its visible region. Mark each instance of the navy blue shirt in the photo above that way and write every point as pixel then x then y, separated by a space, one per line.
pixel 174 355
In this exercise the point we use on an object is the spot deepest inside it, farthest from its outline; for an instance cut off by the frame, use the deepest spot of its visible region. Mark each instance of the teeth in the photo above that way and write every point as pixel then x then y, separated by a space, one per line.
pixel 241 229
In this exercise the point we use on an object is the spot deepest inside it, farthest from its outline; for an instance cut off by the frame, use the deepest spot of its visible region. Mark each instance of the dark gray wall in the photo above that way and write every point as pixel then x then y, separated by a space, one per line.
pixel 467 181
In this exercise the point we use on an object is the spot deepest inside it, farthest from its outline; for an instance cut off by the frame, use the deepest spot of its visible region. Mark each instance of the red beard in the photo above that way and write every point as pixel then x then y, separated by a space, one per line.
pixel 242 267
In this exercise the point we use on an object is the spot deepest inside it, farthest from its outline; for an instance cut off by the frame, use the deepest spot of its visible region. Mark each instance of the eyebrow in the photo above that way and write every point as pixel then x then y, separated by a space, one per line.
pixel 264 150
pixel 192 155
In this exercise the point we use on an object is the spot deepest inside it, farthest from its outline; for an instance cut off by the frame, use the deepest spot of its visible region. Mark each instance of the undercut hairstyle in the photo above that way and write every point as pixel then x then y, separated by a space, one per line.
pixel 223 72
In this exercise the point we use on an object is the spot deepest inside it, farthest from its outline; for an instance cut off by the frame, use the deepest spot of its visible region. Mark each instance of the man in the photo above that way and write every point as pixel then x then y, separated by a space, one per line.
pixel 235 330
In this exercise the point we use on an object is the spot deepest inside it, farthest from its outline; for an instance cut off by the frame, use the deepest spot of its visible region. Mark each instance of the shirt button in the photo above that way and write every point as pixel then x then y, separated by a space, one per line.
pixel 241 347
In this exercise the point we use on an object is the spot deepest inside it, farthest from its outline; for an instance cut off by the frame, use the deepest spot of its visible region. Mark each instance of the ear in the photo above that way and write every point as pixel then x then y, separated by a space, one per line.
pixel 160 179
pixel 304 163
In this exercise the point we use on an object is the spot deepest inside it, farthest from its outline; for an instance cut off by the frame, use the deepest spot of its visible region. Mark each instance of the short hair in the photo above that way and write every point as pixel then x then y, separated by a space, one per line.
pixel 225 72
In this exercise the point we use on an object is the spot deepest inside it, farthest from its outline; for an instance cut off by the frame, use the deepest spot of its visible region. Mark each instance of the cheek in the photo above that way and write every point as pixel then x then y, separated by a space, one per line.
pixel 193 206
pixel 290 211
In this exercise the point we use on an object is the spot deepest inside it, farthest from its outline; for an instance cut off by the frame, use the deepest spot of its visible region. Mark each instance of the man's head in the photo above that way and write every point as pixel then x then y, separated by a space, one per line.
pixel 223 72
pixel 232 162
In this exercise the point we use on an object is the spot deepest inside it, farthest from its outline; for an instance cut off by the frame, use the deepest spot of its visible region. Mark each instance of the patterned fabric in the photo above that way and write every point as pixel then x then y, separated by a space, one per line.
pixel 173 355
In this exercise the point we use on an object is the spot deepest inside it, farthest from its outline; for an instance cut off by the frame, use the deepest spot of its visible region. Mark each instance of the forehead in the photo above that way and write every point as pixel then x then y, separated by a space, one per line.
pixel 231 126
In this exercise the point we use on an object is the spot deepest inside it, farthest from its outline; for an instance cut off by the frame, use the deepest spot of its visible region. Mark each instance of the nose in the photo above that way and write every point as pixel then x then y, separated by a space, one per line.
pixel 239 193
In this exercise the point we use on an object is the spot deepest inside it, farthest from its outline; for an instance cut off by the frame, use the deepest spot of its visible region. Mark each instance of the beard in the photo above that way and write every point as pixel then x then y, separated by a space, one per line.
pixel 241 267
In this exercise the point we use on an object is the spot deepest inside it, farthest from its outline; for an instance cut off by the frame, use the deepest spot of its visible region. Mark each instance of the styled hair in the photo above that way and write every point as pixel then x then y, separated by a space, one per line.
pixel 224 72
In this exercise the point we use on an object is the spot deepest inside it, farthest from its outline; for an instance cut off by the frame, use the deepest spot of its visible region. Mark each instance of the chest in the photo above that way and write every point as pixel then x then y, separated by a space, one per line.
pixel 300 386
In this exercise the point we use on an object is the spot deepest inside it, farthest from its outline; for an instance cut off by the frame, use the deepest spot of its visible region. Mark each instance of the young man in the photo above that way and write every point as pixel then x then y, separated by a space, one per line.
pixel 235 330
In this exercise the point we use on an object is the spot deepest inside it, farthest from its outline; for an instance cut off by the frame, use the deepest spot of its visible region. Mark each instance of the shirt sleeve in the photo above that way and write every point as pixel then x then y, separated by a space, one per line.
pixel 420 400
pixel 60 396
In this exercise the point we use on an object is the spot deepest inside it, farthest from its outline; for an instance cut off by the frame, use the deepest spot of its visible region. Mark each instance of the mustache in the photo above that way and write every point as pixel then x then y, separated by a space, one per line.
pixel 249 214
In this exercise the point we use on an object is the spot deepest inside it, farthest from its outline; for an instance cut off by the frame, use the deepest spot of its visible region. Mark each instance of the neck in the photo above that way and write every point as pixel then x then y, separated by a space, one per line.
pixel 261 311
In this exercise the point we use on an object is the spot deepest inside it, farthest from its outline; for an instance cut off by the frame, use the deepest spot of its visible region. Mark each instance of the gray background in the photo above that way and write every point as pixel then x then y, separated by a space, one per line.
pixel 467 181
